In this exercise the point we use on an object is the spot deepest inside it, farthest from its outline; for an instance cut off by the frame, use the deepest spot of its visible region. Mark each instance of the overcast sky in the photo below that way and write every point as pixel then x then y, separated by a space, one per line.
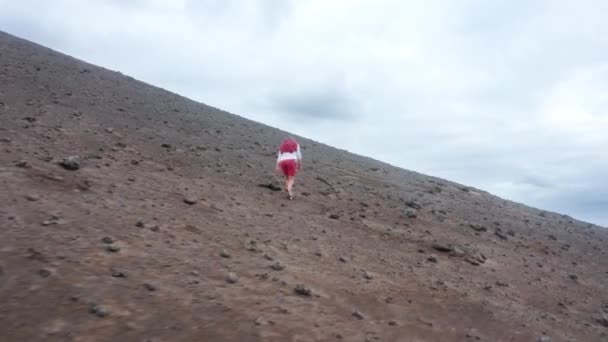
pixel 507 96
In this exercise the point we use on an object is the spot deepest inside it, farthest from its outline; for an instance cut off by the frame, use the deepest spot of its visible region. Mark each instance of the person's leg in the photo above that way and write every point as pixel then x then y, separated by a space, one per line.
pixel 289 183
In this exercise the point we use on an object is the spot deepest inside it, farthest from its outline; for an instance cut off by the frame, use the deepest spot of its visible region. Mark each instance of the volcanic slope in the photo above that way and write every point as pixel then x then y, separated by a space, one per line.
pixel 159 230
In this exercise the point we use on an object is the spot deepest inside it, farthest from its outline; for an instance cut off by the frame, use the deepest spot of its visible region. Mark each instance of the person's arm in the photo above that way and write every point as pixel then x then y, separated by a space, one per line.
pixel 278 158
pixel 299 156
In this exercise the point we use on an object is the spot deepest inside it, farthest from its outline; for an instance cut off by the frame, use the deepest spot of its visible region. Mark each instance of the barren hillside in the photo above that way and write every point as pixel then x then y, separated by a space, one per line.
pixel 159 230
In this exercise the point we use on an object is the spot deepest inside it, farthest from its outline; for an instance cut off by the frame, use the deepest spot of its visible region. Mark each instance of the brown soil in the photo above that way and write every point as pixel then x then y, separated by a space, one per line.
pixel 111 251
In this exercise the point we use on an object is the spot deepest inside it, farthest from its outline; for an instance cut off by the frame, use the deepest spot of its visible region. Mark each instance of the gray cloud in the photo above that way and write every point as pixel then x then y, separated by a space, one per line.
pixel 507 96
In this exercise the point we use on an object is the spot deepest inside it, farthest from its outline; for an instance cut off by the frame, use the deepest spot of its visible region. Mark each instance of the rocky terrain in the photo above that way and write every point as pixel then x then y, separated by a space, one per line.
pixel 130 213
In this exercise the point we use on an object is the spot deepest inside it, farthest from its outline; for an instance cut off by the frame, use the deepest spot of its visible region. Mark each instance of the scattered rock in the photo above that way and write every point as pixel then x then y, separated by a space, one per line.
pixel 457 252
pixel 118 273
pixel 113 249
pixel 552 237
pixel 167 146
pixel 367 275
pixel 411 213
pixel 442 248
pixel 501 235
pixel 140 224
pixel 432 258
pixel 478 227
pixel 277 266
pixel 32 197
pixel 502 284
pixel 232 278
pixel 475 259
pixel 71 163
pixel 259 321
pixel 99 310
pixel 573 277
pixel 107 240
pixel 413 205
pixel 190 200
pixel 358 315
pixel 302 290
pixel 22 164
pixel 225 254
pixel 334 216
pixel 602 318
pixel 149 287
pixel 342 259
pixel 44 273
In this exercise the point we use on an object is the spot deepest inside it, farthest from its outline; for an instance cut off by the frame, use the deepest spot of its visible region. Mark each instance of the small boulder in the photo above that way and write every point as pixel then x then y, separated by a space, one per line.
pixel 443 247
pixel 190 200
pixel 99 310
pixel 358 315
pixel 70 163
pixel 113 249
pixel 232 278
pixel 411 213
pixel 116 273
pixel 277 266
pixel 302 290
pixel 32 197
pixel 107 240
pixel 149 287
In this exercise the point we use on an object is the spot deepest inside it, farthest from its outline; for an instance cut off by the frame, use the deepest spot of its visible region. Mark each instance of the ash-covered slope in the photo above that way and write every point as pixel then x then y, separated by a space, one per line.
pixel 367 252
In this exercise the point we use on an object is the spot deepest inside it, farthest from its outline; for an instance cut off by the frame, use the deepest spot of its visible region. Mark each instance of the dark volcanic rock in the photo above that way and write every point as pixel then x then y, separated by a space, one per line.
pixel 44 273
pixel 411 213
pixel 443 247
pixel 113 249
pixel 478 227
pixel 107 239
pixel 116 273
pixel 149 287
pixel 190 200
pixel 99 310
pixel 277 266
pixel 71 163
pixel 358 315
pixel 302 290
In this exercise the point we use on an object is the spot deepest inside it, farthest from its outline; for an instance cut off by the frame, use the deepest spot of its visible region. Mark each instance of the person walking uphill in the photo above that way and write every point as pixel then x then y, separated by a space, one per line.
pixel 289 161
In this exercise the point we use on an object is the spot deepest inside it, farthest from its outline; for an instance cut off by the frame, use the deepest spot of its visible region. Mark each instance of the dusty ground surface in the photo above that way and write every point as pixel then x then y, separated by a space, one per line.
pixel 111 251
